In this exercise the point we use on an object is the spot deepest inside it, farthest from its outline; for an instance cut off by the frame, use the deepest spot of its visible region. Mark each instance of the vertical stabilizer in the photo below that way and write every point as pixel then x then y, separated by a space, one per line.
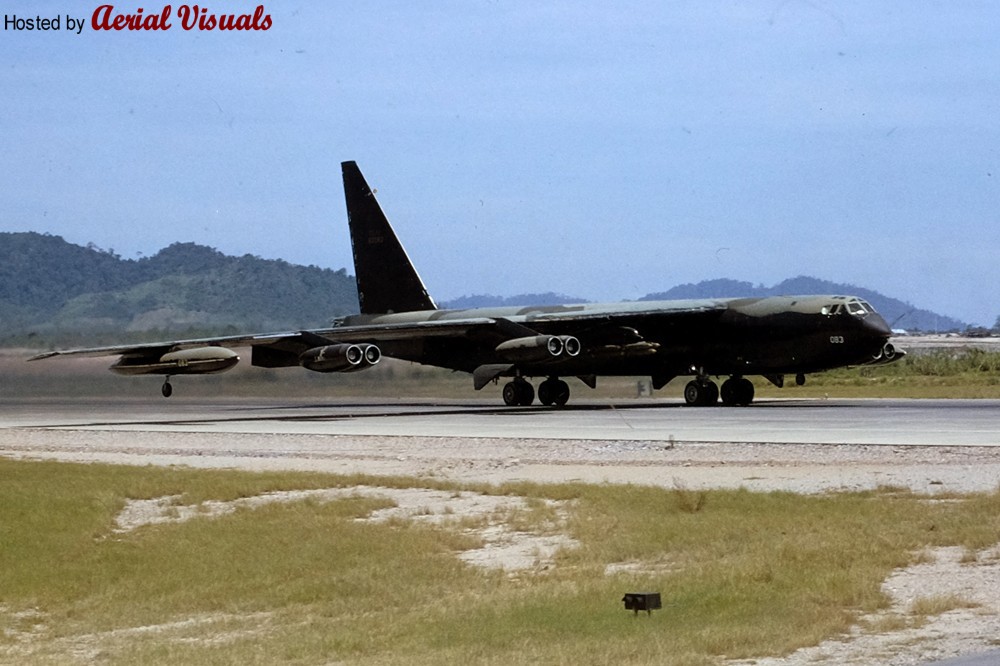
pixel 387 281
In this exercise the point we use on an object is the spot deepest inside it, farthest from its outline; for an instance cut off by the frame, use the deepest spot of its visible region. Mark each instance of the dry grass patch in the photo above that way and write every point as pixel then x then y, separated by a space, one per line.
pixel 936 604
pixel 374 571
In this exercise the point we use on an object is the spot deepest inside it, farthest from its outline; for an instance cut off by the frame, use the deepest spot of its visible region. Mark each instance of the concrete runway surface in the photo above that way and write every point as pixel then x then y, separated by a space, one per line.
pixel 860 422
pixel 796 445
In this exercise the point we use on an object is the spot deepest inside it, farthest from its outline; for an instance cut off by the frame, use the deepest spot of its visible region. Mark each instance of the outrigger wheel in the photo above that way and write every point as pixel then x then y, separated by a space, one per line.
pixel 167 390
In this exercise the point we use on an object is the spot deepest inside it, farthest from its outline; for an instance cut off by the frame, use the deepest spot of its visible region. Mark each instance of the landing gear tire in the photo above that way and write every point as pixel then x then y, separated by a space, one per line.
pixel 509 394
pixel 701 394
pixel 553 391
pixel 167 390
pixel 737 391
pixel 518 393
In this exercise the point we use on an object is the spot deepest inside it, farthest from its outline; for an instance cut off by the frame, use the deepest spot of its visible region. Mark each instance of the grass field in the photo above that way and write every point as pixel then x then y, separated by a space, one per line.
pixel 742 574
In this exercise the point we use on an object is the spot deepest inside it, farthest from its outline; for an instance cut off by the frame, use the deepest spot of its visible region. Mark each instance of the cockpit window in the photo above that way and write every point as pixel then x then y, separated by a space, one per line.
pixel 858 307
pixel 832 309
pixel 854 306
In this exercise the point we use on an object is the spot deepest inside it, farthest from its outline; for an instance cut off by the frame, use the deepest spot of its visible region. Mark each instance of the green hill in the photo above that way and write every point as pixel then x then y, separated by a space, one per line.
pixel 53 291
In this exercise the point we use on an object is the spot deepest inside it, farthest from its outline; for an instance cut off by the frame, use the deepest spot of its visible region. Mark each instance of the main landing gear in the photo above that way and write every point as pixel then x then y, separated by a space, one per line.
pixel 737 391
pixel 551 392
pixel 703 392
pixel 518 393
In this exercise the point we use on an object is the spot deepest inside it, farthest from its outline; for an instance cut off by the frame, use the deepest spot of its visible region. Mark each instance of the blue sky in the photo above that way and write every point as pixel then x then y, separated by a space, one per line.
pixel 601 150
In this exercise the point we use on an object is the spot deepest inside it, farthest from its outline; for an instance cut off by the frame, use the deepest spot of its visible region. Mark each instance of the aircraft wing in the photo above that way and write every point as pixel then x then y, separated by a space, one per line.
pixel 153 347
pixel 486 346
pixel 571 321
pixel 636 311
pixel 409 330
pixel 345 334
pixel 584 322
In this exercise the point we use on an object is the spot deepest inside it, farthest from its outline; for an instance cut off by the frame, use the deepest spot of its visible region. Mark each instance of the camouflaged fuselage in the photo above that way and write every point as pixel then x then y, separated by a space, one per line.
pixel 737 336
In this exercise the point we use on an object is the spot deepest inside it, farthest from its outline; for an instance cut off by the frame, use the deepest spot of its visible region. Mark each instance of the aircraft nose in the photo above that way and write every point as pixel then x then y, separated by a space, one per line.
pixel 875 325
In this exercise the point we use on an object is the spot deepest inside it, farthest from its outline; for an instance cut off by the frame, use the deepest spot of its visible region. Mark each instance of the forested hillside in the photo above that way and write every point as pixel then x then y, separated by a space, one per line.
pixel 53 289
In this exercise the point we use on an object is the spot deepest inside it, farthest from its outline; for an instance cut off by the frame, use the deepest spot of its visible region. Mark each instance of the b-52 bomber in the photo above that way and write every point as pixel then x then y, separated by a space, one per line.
pixel 728 337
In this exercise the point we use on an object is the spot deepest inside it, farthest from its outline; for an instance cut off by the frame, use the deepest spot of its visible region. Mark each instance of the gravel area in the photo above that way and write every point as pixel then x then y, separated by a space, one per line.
pixel 962 631
pixel 806 468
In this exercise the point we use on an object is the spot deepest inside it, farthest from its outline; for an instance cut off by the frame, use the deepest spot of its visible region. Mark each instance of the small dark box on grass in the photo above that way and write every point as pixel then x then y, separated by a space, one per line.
pixel 642 601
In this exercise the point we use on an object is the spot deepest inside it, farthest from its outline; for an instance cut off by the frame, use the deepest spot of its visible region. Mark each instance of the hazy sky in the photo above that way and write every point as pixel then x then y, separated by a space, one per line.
pixel 605 150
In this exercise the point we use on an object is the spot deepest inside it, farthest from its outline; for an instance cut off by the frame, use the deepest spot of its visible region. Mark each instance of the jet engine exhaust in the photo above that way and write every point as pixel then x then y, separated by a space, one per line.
pixel 340 358
pixel 571 346
pixel 887 354
pixel 538 347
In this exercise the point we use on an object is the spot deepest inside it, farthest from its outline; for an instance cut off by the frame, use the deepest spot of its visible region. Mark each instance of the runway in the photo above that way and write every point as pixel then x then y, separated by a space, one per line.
pixel 834 422
pixel 928 446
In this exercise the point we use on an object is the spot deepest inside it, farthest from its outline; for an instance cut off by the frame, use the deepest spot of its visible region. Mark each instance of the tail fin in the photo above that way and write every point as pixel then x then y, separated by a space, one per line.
pixel 387 281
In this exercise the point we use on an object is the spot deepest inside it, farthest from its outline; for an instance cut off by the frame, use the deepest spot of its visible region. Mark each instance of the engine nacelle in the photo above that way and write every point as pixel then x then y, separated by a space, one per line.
pixel 196 361
pixel 340 358
pixel 571 346
pixel 538 347
pixel 887 354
